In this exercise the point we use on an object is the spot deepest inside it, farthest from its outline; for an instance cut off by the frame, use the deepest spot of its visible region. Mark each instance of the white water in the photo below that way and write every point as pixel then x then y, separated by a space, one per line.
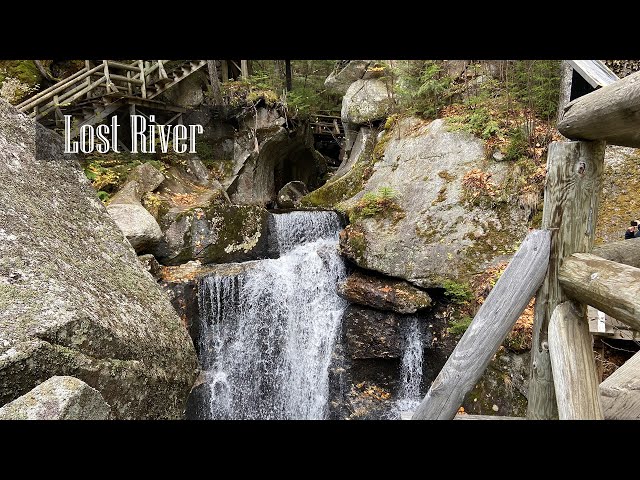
pixel 411 368
pixel 268 334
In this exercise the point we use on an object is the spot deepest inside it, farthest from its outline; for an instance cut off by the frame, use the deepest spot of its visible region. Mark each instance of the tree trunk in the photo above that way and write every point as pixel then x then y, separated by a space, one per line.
pixel 287 69
pixel 215 83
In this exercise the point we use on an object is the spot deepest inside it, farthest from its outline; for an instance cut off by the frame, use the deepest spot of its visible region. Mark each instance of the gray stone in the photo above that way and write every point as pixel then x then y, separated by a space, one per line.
pixel 365 135
pixel 196 168
pixel 340 80
pixel 142 179
pixel 215 234
pixel 189 93
pixel 150 264
pixel 59 398
pixel 74 299
pixel 366 101
pixel 383 293
pixel 289 196
pixel 455 68
pixel 436 235
pixel 137 224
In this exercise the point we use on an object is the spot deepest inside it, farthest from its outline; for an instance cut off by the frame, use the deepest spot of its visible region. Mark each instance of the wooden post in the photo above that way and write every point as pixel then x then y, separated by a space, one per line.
pixel 87 65
pixel 129 83
pixel 215 82
pixel 143 87
pixel 610 114
pixel 571 201
pixel 106 74
pixel 566 74
pixel 574 369
pixel 494 320
pixel 244 69
pixel 620 392
pixel 612 288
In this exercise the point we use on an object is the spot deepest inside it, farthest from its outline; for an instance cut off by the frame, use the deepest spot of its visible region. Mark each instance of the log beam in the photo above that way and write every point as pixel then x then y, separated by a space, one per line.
pixel 574 369
pixel 612 288
pixel 494 320
pixel 571 201
pixel 610 114
pixel 620 392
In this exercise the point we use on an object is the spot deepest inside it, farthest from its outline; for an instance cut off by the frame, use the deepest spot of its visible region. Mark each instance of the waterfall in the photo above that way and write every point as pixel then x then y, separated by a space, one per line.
pixel 269 332
pixel 411 369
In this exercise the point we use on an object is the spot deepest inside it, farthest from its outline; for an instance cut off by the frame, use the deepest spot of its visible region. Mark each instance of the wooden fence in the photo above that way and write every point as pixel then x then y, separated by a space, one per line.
pixel 560 263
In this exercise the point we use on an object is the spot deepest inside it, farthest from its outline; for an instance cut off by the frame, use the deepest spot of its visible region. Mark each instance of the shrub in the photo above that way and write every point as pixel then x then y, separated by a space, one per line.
pixel 374 203
pixel 458 293
pixel 459 326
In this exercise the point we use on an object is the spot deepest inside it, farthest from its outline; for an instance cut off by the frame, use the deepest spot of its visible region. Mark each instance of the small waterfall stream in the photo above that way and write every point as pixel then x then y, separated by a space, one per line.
pixel 268 332
pixel 411 367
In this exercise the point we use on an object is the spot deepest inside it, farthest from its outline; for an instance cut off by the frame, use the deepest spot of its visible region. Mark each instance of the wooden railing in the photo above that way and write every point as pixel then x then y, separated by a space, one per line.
pixel 114 77
pixel 563 382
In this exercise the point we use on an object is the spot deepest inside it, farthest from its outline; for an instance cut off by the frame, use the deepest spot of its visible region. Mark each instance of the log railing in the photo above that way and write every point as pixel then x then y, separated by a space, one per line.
pixel 572 275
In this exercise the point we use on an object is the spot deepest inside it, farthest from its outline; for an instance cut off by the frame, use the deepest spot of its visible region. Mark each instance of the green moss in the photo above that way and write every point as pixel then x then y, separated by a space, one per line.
pixel 353 244
pixel 24 70
pixel 373 204
pixel 459 326
pixel 336 191
pixel 458 293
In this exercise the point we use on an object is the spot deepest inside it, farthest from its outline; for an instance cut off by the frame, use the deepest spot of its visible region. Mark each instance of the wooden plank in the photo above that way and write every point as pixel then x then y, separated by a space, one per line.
pixel 122 78
pixel 123 66
pixel 620 392
pixel 596 73
pixel 612 328
pixel 624 251
pixel 143 85
pixel 571 201
pixel 611 287
pixel 494 320
pixel 574 368
pixel 611 114
pixel 68 98
pixel 59 87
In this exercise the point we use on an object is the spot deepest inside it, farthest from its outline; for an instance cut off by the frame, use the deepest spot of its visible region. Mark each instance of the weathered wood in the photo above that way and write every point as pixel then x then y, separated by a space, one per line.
pixel 624 251
pixel 244 68
pixel 82 90
pixel 574 369
pixel 59 87
pixel 494 320
pixel 620 392
pixel 612 288
pixel 566 74
pixel 611 114
pixel 571 201
pixel 106 74
pixel 143 85
pixel 596 73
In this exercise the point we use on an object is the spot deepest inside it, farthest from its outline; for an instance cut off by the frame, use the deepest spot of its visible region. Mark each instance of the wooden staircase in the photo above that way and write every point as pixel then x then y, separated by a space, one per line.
pixel 99 90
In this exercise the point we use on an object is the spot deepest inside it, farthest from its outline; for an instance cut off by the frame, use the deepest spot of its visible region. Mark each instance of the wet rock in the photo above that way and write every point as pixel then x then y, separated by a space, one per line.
pixel 383 293
pixel 289 196
pixel 59 398
pixel 216 234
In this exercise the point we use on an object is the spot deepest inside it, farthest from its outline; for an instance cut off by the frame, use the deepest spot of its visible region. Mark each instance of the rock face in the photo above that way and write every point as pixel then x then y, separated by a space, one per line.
pixel 59 398
pixel 436 235
pixel 74 299
pixel 339 80
pixel 366 101
pixel 383 293
pixel 215 234
pixel 372 333
pixel 289 196
pixel 137 224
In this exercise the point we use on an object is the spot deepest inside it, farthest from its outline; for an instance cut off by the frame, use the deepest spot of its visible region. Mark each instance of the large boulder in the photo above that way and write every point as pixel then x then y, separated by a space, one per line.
pixel 383 293
pixel 436 233
pixel 74 299
pixel 59 398
pixel 218 233
pixel 341 78
pixel 366 101
pixel 289 196
pixel 137 224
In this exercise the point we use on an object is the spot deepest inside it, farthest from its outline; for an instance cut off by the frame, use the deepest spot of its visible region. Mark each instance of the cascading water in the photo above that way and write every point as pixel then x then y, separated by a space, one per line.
pixel 269 332
pixel 411 369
